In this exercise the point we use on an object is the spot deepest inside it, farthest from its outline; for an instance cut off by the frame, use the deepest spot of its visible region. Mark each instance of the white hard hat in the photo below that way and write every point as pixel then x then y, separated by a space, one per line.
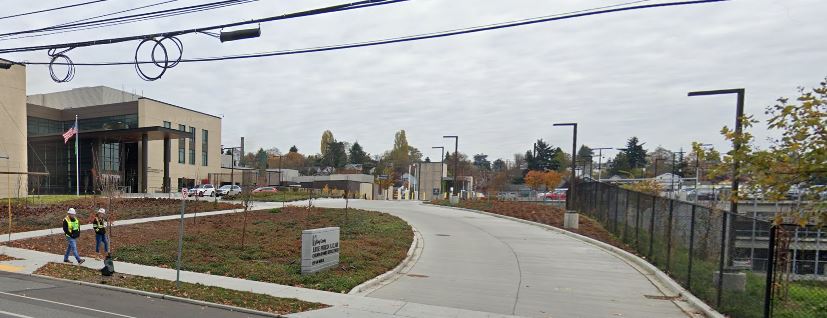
pixel 102 211
pixel 72 211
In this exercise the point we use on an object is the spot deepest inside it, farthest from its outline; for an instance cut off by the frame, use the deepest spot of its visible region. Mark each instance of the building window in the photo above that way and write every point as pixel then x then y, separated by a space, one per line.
pixel 167 124
pixel 204 140
pixel 192 146
pixel 182 145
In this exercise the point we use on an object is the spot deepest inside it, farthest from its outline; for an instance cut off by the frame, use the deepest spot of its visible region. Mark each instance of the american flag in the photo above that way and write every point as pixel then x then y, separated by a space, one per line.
pixel 71 132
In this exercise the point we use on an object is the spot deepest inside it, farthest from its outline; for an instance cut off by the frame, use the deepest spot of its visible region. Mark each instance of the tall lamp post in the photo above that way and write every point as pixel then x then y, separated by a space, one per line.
pixel 441 164
pixel 571 218
pixel 736 165
pixel 456 162
pixel 600 160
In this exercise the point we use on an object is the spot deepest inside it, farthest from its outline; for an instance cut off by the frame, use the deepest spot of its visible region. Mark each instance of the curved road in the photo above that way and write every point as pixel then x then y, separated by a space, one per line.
pixel 485 263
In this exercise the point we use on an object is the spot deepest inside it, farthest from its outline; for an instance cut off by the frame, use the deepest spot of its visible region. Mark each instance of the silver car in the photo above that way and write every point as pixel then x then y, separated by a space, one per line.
pixel 229 190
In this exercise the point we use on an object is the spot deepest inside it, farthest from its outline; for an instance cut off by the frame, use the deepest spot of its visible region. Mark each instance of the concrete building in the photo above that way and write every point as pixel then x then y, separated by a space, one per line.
pixel 13 129
pixel 141 144
pixel 430 182
pixel 357 185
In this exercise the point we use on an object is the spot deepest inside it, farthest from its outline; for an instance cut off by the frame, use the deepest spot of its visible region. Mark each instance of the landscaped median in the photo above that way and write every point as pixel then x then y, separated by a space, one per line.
pixel 540 213
pixel 242 299
pixel 372 243
pixel 6 258
pixel 45 212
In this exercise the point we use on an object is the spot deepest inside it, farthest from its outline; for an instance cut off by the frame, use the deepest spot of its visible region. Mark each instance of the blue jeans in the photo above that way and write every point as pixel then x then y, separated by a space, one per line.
pixel 71 247
pixel 101 238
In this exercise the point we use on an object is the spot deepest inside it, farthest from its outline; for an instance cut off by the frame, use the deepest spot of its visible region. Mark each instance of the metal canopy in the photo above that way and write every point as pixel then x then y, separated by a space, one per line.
pixel 123 135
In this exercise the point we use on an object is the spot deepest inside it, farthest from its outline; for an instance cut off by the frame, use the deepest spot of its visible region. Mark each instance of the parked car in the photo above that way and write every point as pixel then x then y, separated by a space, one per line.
pixel 204 190
pixel 557 194
pixel 703 194
pixel 229 190
pixel 266 190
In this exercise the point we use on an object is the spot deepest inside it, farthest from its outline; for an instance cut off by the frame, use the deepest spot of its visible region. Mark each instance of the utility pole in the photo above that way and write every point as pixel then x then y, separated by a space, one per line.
pixel 600 160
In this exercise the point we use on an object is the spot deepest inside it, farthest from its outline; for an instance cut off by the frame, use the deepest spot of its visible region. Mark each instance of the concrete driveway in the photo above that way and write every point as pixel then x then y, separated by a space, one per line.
pixel 485 263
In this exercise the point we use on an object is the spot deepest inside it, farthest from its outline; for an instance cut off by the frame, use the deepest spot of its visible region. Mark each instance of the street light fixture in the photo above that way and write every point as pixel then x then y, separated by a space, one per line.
pixel 736 164
pixel 456 161
pixel 571 219
pixel 441 164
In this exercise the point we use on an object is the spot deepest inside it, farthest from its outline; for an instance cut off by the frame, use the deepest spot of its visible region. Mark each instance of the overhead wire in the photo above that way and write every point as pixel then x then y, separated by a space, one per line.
pixel 329 9
pixel 84 23
pixel 9 38
pixel 51 9
pixel 417 37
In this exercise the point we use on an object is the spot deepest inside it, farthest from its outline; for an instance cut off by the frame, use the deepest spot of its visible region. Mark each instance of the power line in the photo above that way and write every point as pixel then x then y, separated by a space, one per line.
pixel 85 24
pixel 330 9
pixel 85 19
pixel 51 9
pixel 490 27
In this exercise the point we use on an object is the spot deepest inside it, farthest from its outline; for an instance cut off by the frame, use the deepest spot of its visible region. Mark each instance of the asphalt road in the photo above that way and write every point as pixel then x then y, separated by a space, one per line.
pixel 24 296
pixel 485 263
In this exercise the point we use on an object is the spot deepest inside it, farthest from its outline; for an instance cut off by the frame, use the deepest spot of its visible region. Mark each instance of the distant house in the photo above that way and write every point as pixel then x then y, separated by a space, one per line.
pixel 669 181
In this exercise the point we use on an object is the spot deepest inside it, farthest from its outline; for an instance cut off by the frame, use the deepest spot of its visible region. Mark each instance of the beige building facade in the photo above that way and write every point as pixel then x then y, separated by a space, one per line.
pixel 136 143
pixel 13 165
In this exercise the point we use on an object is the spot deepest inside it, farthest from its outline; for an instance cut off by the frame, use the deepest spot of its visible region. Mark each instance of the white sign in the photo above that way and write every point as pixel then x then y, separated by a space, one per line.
pixel 184 192
pixel 320 249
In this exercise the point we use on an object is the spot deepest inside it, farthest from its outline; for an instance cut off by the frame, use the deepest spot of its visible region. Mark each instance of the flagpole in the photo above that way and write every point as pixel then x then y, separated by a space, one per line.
pixel 77 158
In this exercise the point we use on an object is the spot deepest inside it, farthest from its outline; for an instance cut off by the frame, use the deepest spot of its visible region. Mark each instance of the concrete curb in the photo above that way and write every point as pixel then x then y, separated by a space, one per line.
pixel 163 296
pixel 411 258
pixel 630 258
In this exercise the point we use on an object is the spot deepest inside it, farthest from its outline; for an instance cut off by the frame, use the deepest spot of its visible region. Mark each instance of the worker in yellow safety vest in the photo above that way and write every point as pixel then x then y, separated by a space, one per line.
pixel 99 225
pixel 71 227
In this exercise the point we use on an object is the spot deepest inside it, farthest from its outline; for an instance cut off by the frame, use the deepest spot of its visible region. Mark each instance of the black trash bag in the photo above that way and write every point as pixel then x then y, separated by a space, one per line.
pixel 108 266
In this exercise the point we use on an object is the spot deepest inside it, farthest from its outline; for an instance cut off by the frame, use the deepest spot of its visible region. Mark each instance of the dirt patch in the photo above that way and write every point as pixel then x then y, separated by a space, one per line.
pixel 371 244
pixel 33 216
pixel 540 213
pixel 261 302
pixel 5 258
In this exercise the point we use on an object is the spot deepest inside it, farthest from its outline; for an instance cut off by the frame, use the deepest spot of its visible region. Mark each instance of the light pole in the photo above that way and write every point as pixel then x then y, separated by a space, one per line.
pixel 600 160
pixel 232 163
pixel 456 162
pixel 441 164
pixel 736 165
pixel 571 218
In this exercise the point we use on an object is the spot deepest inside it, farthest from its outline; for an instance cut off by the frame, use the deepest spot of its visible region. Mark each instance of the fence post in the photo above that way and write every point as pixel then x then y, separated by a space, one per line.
pixel 770 273
pixel 691 248
pixel 617 206
pixel 669 234
pixel 652 229
pixel 722 257
pixel 626 217
pixel 637 221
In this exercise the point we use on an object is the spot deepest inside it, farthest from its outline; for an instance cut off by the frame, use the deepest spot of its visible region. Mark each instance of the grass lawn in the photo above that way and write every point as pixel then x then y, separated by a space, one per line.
pixel 211 294
pixel 371 244
pixel 49 213
pixel 281 196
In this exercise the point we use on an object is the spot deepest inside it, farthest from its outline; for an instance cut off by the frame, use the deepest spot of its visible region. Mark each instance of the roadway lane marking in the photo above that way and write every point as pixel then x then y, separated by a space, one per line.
pixel 67 305
pixel 13 314
pixel 10 268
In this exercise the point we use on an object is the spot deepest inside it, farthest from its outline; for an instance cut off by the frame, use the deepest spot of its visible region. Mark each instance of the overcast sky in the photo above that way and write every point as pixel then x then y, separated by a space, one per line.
pixel 618 75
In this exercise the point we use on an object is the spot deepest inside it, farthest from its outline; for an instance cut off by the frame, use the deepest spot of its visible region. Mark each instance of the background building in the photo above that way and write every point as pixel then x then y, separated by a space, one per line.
pixel 13 181
pixel 132 142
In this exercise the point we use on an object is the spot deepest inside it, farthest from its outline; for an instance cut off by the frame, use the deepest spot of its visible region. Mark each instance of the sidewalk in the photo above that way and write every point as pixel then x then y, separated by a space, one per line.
pixel 343 305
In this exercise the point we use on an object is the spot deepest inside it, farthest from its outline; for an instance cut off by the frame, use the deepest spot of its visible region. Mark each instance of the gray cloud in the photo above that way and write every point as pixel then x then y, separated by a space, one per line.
pixel 617 75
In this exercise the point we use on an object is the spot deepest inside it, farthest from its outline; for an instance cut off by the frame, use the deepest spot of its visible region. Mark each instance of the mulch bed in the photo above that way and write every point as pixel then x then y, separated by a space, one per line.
pixel 30 217
pixel 4 258
pixel 371 244
pixel 260 302
pixel 540 213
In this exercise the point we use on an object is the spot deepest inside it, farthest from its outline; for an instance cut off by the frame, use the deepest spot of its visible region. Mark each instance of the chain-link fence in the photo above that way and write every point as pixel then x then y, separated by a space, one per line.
pixel 723 258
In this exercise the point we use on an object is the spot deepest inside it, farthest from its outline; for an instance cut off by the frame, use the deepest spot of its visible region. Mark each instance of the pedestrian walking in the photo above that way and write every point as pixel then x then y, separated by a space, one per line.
pixel 71 227
pixel 99 225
